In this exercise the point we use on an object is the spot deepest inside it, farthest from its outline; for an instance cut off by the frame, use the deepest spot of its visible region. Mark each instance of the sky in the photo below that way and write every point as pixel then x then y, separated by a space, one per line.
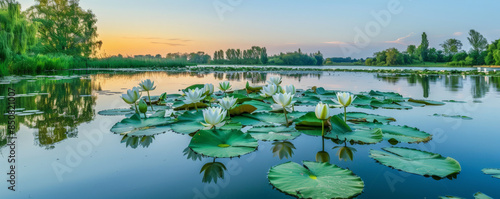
pixel 337 28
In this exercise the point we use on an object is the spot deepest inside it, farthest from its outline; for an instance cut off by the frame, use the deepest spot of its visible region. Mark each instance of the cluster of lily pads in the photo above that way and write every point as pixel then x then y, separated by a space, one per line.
pixel 228 123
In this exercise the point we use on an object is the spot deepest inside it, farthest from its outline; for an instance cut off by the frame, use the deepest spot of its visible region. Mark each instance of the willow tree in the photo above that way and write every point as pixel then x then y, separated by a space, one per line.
pixel 65 27
pixel 17 34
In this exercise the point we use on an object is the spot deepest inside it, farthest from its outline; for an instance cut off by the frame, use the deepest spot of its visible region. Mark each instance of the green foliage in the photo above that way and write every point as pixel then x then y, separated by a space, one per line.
pixel 477 41
pixel 451 46
pixel 76 33
pixel 423 49
pixel 297 58
pixel 254 55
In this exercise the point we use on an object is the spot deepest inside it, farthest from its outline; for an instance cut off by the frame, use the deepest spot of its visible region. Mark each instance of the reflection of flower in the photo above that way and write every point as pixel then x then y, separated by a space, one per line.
pixel 132 96
pixel 224 86
pixel 322 111
pixel 147 85
pixel 283 149
pixel 322 157
pixel 289 89
pixel 213 116
pixel 275 80
pixel 209 89
pixel 345 153
pixel 227 103
pixel 269 90
pixel 212 171
pixel 194 96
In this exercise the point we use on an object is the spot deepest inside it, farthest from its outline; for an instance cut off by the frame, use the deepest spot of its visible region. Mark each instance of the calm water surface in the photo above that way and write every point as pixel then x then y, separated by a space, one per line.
pixel 58 155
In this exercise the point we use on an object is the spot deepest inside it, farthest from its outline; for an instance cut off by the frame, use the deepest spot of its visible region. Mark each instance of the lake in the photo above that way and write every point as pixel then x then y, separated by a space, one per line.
pixel 66 149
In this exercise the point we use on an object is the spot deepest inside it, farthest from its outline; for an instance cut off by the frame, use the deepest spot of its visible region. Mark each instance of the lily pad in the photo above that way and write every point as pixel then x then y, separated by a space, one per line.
pixel 261 106
pixel 449 197
pixel 274 133
pixel 262 119
pixel 388 104
pixel 240 109
pixel 480 195
pixel 417 162
pixel 252 89
pixel 180 105
pixel 427 102
pixel 386 95
pixel 223 143
pixel 118 111
pixel 136 126
pixel 493 172
pixel 404 134
pixel 315 180
pixel 309 119
pixel 453 116
pixel 188 122
pixel 341 131
pixel 357 117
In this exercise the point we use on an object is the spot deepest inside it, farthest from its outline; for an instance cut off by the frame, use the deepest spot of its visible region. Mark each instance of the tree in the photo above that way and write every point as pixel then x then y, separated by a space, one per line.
pixel 411 49
pixel 65 27
pixel 17 35
pixel 451 46
pixel 478 42
pixel 423 49
pixel 263 56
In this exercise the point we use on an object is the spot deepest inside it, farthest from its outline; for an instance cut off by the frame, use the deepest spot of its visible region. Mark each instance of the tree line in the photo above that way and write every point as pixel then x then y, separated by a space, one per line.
pixel 451 53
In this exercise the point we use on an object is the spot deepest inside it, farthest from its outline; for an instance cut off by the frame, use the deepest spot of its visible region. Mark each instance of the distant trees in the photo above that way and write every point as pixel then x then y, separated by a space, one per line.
pixel 477 41
pixel 451 46
pixel 297 58
pixel 423 49
pixel 254 55
pixel 493 53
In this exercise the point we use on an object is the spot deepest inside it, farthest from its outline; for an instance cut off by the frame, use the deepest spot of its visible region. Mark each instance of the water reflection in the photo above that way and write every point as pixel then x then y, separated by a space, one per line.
pixel 212 171
pixel 134 141
pixel 282 149
pixel 191 154
pixel 62 104
pixel 345 152
pixel 322 156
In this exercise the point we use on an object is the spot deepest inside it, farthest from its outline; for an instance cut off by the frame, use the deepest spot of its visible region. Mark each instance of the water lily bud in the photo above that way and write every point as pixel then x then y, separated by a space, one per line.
pixel 143 107
pixel 322 111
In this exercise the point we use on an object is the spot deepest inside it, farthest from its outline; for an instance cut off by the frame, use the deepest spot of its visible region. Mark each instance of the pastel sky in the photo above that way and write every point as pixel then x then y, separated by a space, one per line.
pixel 337 28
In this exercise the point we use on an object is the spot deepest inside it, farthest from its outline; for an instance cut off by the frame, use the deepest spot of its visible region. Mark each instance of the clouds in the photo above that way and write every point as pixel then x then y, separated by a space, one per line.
pixel 163 41
pixel 458 33
pixel 401 40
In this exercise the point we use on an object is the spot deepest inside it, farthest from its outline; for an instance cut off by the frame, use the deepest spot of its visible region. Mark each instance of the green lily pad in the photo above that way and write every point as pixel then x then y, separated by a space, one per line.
pixel 136 126
pixel 274 133
pixel 315 180
pixel 252 89
pixel 341 131
pixel 189 122
pixel 417 162
pixel 180 105
pixel 260 105
pixel 386 95
pixel 223 143
pixel 240 109
pixel 388 104
pixel 357 117
pixel 493 172
pixel 309 119
pixel 427 102
pixel 262 119
pixel 399 133
pixel 453 116
pixel 449 197
pixel 454 101
pixel 480 195
pixel 363 100
pixel 118 111
pixel 200 86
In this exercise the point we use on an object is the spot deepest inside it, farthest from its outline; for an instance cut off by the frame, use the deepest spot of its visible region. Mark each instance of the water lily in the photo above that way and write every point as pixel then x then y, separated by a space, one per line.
pixel 194 96
pixel 290 89
pixel 148 85
pixel 269 90
pixel 132 96
pixel 284 101
pixel 224 86
pixel 275 80
pixel 344 99
pixel 322 112
pixel 209 89
pixel 213 116
pixel 228 103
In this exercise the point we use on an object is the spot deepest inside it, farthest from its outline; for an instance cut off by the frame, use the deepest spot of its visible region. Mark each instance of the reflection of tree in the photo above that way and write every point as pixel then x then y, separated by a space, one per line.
pixel 453 82
pixel 479 86
pixel 63 108
pixel 495 82
pixel 282 149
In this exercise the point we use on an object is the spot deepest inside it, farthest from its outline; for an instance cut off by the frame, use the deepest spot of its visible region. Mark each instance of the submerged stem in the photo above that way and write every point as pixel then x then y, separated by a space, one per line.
pixel 150 103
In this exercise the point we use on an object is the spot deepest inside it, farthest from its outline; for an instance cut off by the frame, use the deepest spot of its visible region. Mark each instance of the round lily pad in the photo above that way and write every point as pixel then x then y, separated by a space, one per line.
pixel 222 143
pixel 274 133
pixel 480 195
pixel 315 180
pixel 404 134
pixel 136 126
pixel 189 122
pixel 118 111
pixel 357 117
pixel 417 162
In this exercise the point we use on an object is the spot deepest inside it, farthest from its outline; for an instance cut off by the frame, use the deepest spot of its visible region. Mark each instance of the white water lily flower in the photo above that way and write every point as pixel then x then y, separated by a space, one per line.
pixel 322 111
pixel 194 96
pixel 275 80
pixel 283 101
pixel 224 86
pixel 269 90
pixel 132 95
pixel 290 89
pixel 344 99
pixel 213 116
pixel 228 102
pixel 147 85
pixel 209 89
